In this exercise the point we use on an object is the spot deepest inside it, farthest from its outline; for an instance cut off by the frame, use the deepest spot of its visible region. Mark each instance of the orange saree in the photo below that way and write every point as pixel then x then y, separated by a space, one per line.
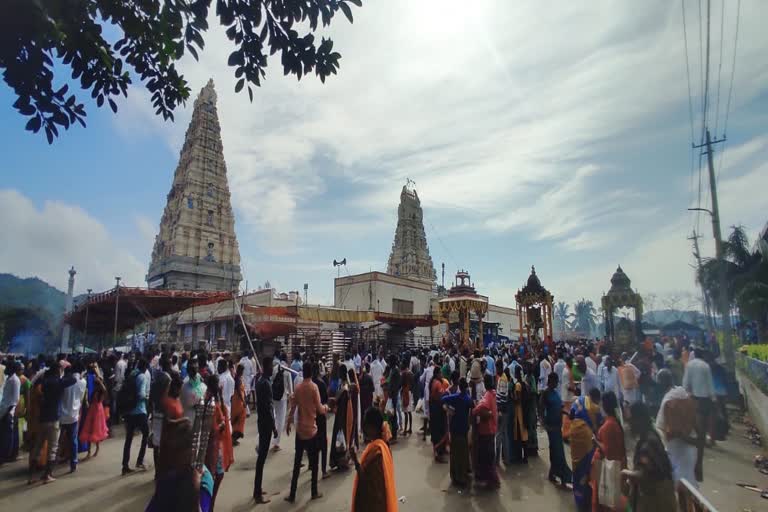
pixel 374 488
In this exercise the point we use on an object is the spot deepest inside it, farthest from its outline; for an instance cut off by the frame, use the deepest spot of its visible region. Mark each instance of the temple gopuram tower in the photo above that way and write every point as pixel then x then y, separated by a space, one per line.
pixel 197 248
pixel 410 252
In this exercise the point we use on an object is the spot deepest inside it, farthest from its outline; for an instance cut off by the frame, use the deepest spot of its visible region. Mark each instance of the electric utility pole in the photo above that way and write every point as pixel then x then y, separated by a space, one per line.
pixel 707 306
pixel 722 295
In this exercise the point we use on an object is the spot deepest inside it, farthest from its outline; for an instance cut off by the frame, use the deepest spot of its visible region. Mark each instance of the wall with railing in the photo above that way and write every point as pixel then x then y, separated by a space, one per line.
pixel 755 370
pixel 752 375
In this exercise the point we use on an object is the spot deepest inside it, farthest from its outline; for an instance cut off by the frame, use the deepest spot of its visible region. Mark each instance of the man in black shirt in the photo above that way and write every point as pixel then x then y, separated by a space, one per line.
pixel 321 420
pixel 394 394
pixel 266 425
pixel 53 389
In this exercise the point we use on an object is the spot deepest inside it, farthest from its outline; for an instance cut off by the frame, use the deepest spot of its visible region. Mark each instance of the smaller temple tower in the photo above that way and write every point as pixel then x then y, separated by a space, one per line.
pixel 410 252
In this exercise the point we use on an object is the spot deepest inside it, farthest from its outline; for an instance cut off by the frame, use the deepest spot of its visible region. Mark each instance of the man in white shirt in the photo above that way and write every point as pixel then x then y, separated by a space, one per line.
pixel 120 368
pixel 558 367
pixel 697 381
pixel 588 376
pixel 248 373
pixel 608 379
pixel 590 361
pixel 377 372
pixel 281 405
pixel 69 412
pixel 9 443
pixel 226 384
pixel 415 364
pixel 357 360
pixel 545 368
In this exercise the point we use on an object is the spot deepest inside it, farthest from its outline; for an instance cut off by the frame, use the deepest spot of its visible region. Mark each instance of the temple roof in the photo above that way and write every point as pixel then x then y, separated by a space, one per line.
pixel 620 282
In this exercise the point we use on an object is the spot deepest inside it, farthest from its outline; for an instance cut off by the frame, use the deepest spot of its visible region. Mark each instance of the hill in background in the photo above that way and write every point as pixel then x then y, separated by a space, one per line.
pixel 31 293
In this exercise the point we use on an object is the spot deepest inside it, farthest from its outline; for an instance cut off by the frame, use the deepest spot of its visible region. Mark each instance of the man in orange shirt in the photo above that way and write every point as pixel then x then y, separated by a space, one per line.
pixel 306 400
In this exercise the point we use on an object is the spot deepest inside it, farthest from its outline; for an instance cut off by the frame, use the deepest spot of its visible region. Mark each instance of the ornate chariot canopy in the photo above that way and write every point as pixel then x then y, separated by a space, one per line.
pixel 463 300
pixel 621 294
pixel 533 293
pixel 534 307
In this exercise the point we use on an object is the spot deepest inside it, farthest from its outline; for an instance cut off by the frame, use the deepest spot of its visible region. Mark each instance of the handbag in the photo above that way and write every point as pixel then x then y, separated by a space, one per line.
pixel 341 442
pixel 609 486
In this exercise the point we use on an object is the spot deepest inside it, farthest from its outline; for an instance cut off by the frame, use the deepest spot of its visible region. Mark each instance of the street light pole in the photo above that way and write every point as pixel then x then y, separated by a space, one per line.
pixel 117 305
pixel 85 330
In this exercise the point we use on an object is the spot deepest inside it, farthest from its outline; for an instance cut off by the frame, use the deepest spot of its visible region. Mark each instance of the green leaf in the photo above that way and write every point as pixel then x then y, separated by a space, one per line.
pixel 33 125
pixel 346 10
pixel 112 105
pixel 240 84
pixel 250 93
pixel 192 51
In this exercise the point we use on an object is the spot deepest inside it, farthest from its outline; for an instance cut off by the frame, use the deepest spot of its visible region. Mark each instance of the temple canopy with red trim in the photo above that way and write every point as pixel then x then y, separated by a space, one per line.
pixel 136 306
pixel 336 315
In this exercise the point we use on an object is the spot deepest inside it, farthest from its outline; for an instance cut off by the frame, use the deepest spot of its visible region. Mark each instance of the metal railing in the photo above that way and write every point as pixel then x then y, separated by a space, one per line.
pixel 691 500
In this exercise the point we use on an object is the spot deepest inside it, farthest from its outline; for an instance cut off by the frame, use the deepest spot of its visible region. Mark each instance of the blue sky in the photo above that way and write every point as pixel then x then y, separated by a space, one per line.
pixel 554 137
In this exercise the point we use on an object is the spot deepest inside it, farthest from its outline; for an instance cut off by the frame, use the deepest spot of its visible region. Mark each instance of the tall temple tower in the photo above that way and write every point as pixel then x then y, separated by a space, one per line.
pixel 197 248
pixel 410 252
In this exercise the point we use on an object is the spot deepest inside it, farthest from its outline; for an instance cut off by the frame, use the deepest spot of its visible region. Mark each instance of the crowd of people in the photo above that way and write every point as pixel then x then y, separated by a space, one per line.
pixel 481 408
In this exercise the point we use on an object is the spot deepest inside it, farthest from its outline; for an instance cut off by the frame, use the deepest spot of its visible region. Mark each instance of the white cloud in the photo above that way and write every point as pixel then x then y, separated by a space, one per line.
pixel 45 242
pixel 503 114
pixel 147 229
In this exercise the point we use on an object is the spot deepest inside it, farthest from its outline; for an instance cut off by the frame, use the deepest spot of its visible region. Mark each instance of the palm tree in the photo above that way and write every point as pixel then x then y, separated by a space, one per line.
pixel 743 268
pixel 584 317
pixel 562 317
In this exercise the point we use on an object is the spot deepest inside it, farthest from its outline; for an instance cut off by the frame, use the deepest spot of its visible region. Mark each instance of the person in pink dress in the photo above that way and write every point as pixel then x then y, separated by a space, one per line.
pixel 94 429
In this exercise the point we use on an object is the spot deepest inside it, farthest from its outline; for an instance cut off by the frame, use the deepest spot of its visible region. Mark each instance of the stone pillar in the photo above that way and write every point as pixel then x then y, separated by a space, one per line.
pixel 67 309
pixel 480 341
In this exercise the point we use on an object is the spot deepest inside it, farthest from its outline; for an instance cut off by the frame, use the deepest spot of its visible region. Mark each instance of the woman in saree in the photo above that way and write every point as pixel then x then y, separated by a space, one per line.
pixel 94 429
pixel 585 420
pixel 180 486
pixel 530 406
pixel 374 487
pixel 486 411
pixel 219 456
pixel 610 446
pixel 239 409
pixel 342 424
pixel 519 394
pixel 652 484
pixel 438 420
pixel 354 397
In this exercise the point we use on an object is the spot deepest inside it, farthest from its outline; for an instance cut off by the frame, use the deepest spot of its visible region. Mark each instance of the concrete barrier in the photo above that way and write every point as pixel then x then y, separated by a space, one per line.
pixel 755 399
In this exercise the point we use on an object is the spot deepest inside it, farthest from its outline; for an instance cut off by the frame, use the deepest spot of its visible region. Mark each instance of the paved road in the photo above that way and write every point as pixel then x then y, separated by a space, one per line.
pixel 98 486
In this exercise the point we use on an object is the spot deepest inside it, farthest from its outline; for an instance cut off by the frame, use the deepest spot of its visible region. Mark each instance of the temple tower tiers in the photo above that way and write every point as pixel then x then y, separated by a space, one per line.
pixel 197 247
pixel 410 252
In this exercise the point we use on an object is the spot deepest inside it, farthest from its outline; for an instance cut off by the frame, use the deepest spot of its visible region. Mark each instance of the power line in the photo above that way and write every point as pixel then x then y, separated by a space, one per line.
pixel 705 112
pixel 733 69
pixel 688 74
pixel 690 102
pixel 719 64
pixel 730 92
pixel 701 64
